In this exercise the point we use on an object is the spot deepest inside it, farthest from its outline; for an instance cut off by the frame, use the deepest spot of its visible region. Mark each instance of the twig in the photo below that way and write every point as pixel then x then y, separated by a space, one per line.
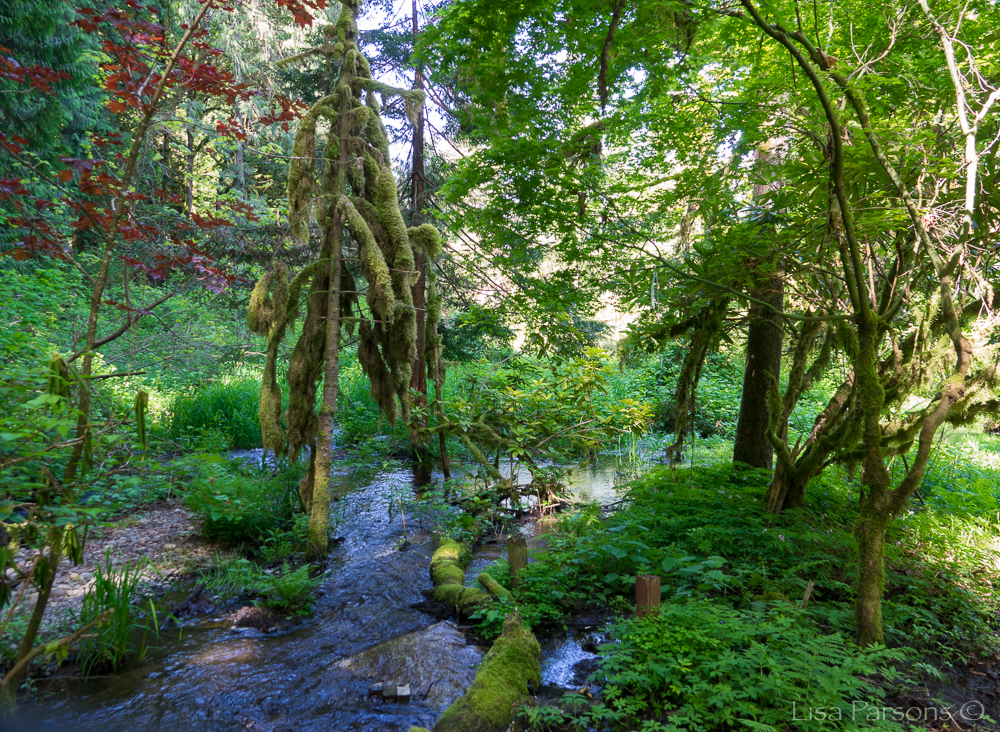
pixel 81 634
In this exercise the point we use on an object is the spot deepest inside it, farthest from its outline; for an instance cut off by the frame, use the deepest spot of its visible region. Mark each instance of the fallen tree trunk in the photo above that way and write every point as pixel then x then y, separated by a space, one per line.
pixel 448 575
pixel 505 680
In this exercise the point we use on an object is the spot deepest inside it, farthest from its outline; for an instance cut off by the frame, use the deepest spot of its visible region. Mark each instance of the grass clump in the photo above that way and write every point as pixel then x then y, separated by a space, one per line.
pixel 285 590
pixel 229 406
pixel 125 636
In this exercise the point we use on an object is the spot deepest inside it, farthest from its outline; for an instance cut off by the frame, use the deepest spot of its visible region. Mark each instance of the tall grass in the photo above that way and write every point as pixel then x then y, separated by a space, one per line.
pixel 125 636
pixel 228 406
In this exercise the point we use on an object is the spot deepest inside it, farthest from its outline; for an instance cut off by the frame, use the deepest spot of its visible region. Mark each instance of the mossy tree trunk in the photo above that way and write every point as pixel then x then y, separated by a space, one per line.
pixel 354 202
pixel 418 381
pixel 707 326
pixel 319 515
pixel 44 580
pixel 873 309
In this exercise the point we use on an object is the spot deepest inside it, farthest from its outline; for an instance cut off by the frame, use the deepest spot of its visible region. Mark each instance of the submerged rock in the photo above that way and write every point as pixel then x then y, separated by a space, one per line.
pixel 259 618
pixel 435 662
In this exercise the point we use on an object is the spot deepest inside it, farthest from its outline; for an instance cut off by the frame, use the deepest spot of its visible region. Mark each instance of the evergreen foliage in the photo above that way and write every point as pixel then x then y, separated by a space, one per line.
pixel 40 32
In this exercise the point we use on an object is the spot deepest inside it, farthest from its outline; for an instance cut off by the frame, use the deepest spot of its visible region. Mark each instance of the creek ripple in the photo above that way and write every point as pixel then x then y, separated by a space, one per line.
pixel 206 677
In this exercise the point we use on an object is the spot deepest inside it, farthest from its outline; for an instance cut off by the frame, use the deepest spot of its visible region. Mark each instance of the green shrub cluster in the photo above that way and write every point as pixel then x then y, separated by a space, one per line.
pixel 703 665
pixel 733 577
pixel 705 531
pixel 239 505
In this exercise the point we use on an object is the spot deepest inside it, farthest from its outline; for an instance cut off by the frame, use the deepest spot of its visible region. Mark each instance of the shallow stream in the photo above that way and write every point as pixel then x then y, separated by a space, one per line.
pixel 209 676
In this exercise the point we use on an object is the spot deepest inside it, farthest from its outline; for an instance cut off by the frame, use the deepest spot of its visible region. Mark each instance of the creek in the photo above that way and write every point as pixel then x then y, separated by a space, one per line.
pixel 368 626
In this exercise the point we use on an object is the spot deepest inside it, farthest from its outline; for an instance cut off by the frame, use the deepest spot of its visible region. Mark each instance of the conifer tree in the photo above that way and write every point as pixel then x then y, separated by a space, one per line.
pixel 354 201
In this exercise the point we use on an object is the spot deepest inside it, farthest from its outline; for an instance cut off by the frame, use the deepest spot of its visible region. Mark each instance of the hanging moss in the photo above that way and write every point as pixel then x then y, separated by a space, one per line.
pixel 387 208
pixel 58 377
pixel 379 378
pixel 427 238
pixel 140 405
pixel 301 169
pixel 381 299
pixel 504 680
pixel 267 315
pixel 362 194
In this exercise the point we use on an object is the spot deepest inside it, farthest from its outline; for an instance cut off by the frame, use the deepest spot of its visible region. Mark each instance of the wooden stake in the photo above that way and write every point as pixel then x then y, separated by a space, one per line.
pixel 647 594
pixel 805 597
pixel 517 557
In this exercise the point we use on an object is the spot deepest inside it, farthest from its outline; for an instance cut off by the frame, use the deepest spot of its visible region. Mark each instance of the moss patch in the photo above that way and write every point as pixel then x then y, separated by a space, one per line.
pixel 493 587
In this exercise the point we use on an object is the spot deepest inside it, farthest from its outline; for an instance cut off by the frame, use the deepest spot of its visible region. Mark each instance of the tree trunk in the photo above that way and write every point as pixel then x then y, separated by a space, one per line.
pixel 764 338
pixel 418 379
pixel 686 389
pixel 869 531
pixel 875 513
pixel 239 160
pixel 787 490
pixel 319 513
pixel 189 183
pixel 55 542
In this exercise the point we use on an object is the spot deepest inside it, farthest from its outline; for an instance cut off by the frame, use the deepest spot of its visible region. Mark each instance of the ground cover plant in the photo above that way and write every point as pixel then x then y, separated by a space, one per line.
pixel 721 555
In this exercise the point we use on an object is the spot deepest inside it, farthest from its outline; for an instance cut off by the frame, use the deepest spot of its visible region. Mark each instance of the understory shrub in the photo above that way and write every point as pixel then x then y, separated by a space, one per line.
pixel 240 505
pixel 286 590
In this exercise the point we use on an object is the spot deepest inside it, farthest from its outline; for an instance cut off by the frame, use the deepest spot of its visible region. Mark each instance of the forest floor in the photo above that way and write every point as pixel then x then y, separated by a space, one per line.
pixel 162 537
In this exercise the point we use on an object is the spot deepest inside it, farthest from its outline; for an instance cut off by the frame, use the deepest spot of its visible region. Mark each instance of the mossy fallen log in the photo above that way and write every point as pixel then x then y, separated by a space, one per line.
pixel 493 587
pixel 504 680
pixel 448 575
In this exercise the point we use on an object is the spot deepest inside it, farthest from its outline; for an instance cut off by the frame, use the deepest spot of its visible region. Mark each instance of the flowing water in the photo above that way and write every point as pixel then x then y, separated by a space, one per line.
pixel 368 627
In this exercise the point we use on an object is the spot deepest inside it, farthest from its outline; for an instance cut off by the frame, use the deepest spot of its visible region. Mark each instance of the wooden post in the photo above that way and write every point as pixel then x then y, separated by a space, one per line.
pixel 647 594
pixel 517 557
pixel 805 597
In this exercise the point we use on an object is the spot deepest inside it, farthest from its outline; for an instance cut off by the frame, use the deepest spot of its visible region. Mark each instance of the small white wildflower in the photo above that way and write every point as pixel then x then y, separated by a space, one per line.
pixel 781 537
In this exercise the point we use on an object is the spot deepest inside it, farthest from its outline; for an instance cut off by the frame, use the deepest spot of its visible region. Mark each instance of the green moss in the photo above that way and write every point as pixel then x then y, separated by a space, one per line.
pixel 373 264
pixel 505 679
pixel 463 599
pixel 427 238
pixel 493 587
pixel 447 573
pixel 450 550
